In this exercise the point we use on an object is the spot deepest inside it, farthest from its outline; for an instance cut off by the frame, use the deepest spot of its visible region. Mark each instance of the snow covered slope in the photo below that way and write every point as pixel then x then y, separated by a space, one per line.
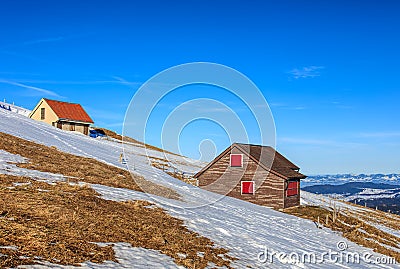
pixel 15 109
pixel 308 198
pixel 247 230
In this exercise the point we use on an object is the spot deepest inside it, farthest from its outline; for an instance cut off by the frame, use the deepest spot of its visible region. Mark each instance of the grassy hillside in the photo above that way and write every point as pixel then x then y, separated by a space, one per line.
pixel 59 222
pixel 128 139
pixel 49 159
pixel 356 227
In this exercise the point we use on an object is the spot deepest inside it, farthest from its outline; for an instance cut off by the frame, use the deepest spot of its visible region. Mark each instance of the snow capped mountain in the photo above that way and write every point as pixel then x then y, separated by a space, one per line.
pixel 258 236
pixel 345 178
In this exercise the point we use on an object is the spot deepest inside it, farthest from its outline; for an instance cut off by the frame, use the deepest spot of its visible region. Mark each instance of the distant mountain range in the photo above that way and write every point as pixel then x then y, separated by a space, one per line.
pixel 375 191
pixel 345 178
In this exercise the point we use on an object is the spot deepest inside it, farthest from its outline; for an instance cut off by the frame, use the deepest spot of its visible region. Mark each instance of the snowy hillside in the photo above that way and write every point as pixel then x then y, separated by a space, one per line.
pixel 367 213
pixel 15 109
pixel 245 229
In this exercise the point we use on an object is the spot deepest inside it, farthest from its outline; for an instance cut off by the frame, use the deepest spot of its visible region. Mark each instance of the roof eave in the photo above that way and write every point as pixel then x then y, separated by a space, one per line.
pixel 238 145
pixel 77 121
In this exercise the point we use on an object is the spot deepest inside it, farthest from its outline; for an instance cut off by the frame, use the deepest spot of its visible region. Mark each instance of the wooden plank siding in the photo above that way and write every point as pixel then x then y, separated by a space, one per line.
pixel 72 126
pixel 270 187
pixel 220 178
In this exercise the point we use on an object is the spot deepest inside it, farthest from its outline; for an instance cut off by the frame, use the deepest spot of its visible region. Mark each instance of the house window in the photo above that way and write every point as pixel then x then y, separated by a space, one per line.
pixel 293 188
pixel 42 113
pixel 236 160
pixel 248 187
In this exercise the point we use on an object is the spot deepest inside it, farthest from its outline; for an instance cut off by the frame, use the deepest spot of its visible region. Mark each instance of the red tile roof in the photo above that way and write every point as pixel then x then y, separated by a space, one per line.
pixel 69 111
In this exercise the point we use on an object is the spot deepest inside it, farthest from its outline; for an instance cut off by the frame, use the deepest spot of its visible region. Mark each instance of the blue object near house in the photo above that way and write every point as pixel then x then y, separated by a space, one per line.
pixel 97 133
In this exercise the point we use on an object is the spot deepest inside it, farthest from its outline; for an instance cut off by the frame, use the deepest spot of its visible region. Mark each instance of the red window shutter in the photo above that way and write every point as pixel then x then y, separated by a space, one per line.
pixel 236 160
pixel 292 192
pixel 247 187
pixel 292 185
pixel 292 188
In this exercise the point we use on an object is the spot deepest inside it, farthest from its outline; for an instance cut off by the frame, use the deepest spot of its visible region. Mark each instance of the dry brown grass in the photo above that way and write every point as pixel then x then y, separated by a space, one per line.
pixel 49 159
pixel 59 225
pixel 352 228
pixel 114 135
pixel 191 181
pixel 164 165
pixel 376 216
pixel 128 139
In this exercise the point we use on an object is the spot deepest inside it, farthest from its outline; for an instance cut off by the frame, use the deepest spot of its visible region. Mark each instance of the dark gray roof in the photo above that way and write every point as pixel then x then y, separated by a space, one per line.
pixel 267 157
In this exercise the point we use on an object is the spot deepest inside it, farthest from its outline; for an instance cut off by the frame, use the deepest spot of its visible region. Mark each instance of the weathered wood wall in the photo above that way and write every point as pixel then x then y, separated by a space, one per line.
pixel 78 127
pixel 223 179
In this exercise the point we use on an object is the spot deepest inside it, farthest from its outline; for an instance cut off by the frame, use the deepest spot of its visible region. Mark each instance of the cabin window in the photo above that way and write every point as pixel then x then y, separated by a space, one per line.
pixel 248 187
pixel 236 160
pixel 42 113
pixel 293 188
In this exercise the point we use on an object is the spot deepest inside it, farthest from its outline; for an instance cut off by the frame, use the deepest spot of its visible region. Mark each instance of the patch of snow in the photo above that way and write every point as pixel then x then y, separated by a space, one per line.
pixel 18 184
pixel 15 248
pixel 386 229
pixel 182 256
pixel 8 166
pixel 368 191
pixel 127 256
pixel 370 197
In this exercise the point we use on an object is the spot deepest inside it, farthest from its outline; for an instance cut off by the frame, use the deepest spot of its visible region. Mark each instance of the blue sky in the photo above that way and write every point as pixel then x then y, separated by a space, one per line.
pixel 328 69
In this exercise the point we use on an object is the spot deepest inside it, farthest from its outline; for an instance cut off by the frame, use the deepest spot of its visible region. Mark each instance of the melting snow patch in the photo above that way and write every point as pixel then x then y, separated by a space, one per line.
pixel 15 248
pixel 17 184
pixel 182 256
pixel 41 190
pixel 6 157
pixel 8 166
pixel 127 256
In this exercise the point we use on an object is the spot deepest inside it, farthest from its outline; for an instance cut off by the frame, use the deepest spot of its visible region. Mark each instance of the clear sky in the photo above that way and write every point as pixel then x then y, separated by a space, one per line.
pixel 328 69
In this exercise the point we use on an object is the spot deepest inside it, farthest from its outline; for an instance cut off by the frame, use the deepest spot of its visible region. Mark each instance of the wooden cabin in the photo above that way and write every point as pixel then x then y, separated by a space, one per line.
pixel 63 115
pixel 257 174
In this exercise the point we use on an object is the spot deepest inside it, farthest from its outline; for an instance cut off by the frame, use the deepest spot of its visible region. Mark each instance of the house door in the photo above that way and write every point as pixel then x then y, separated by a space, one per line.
pixel 72 126
pixel 59 125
